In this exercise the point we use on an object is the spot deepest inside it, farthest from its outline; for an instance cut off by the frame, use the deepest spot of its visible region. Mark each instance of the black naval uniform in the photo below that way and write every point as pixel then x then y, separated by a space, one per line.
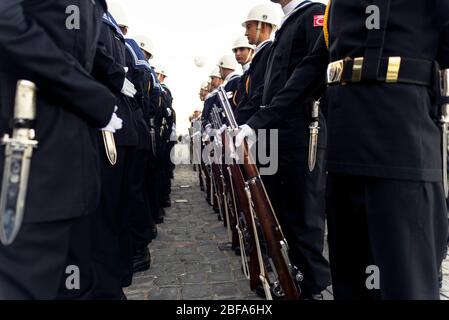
pixel 167 145
pixel 385 163
pixel 232 88
pixel 153 179
pixel 386 206
pixel 64 182
pixel 142 224
pixel 112 243
pixel 298 196
pixel 252 85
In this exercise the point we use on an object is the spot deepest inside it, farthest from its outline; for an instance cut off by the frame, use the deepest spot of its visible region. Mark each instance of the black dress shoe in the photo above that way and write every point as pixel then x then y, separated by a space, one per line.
pixel 166 204
pixel 123 297
pixel 312 297
pixel 141 260
pixel 159 220
pixel 154 231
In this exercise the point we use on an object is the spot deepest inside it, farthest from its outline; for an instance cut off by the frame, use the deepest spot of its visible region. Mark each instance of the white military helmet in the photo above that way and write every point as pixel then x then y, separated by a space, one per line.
pixel 205 85
pixel 145 44
pixel 118 12
pixel 264 13
pixel 160 69
pixel 242 42
pixel 215 73
pixel 228 62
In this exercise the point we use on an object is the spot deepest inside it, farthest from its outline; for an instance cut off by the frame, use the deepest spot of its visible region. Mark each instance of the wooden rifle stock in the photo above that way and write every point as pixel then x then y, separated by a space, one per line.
pixel 274 239
pixel 276 245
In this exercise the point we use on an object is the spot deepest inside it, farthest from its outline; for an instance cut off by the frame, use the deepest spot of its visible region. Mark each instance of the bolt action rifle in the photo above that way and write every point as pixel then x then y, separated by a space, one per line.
pixel 240 223
pixel 277 274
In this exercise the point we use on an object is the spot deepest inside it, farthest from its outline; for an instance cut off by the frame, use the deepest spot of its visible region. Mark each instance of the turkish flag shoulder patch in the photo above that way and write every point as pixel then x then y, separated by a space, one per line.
pixel 318 21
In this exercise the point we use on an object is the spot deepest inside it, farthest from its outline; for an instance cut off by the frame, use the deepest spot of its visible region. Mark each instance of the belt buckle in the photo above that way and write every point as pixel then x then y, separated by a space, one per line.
pixel 394 66
pixel 335 71
pixel 357 69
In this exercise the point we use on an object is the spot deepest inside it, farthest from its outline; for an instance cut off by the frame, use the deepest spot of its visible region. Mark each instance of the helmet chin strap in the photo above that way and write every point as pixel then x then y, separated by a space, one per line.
pixel 259 28
pixel 250 55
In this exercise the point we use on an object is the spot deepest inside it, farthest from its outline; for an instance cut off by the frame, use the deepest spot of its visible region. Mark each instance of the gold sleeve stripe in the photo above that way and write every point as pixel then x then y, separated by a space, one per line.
pixel 326 24
pixel 247 85
pixel 234 98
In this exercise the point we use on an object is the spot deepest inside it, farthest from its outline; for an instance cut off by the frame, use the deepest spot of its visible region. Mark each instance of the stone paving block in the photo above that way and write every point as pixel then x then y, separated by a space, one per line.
pixel 166 259
pixel 176 269
pixel 136 296
pixel 192 291
pixel 219 277
pixel 221 267
pixel 198 267
pixel 191 258
pixel 166 281
pixel 193 278
pixel 225 290
pixel 164 293
pixel 238 275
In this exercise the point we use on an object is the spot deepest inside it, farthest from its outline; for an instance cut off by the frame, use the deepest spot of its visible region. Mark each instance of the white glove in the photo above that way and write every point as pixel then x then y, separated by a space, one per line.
pixel 206 137
pixel 173 136
pixel 128 89
pixel 114 124
pixel 220 131
pixel 209 131
pixel 245 132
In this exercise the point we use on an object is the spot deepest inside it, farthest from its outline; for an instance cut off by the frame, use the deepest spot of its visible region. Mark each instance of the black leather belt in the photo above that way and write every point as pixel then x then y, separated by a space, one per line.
pixel 391 70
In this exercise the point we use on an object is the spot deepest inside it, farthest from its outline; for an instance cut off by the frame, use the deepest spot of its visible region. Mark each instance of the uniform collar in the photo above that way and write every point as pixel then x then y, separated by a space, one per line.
pixel 261 46
pixel 231 75
pixel 246 66
pixel 290 8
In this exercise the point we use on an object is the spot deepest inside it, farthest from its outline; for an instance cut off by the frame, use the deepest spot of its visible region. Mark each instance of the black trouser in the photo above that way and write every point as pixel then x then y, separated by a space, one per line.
pixel 400 227
pixel 298 198
pixel 141 219
pixel 165 172
pixel 152 185
pixel 111 230
pixel 38 264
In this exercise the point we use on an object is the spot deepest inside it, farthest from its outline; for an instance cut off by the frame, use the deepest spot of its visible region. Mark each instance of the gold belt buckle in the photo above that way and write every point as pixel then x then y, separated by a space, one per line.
pixel 394 66
pixel 357 69
pixel 335 71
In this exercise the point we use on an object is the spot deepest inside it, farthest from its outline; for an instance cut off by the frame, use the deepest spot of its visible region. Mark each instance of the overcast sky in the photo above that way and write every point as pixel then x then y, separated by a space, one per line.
pixel 183 30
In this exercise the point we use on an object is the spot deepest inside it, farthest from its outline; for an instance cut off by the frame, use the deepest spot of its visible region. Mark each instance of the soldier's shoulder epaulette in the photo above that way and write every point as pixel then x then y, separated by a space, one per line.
pixel 110 21
pixel 139 61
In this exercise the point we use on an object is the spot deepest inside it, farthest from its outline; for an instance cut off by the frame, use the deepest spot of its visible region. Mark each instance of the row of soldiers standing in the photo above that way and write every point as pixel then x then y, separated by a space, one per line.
pixel 376 169
pixel 93 202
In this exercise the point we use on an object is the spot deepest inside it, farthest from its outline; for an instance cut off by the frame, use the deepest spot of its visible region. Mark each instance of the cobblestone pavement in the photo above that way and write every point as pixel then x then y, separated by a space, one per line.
pixel 191 258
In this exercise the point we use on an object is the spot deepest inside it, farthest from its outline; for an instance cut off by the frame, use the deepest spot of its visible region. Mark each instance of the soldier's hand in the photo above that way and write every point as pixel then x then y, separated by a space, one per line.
pixel 128 89
pixel 209 130
pixel 244 132
pixel 114 124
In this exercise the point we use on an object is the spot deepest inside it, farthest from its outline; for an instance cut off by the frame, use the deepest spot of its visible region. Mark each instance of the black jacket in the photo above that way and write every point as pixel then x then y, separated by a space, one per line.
pixel 388 130
pixel 253 82
pixel 232 87
pixel 293 43
pixel 115 46
pixel 35 45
